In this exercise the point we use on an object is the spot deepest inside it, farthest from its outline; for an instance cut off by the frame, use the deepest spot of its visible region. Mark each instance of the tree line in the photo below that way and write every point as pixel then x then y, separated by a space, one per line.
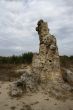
pixel 66 61
pixel 24 58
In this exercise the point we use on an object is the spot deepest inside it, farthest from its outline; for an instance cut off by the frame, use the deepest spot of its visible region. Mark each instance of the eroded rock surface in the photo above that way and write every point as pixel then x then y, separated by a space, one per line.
pixel 45 67
pixel 26 83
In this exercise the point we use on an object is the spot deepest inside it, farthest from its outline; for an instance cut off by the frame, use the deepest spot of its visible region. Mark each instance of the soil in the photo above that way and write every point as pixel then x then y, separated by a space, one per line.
pixel 29 101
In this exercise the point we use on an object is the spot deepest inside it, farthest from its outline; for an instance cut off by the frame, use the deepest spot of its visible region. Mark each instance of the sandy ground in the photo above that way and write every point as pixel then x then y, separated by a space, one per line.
pixel 36 101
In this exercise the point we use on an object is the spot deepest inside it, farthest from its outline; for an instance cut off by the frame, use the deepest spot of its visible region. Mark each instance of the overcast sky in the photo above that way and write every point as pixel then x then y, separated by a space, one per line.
pixel 18 19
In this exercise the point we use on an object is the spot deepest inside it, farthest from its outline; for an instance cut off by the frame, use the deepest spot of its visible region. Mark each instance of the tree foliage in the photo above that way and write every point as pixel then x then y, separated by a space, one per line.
pixel 24 58
pixel 66 61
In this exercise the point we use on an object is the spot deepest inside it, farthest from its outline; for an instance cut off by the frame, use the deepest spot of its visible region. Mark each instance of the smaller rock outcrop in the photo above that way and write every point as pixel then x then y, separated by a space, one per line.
pixel 68 76
pixel 26 83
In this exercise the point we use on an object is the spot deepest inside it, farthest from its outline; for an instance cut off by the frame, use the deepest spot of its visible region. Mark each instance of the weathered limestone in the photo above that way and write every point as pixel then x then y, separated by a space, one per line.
pixel 47 63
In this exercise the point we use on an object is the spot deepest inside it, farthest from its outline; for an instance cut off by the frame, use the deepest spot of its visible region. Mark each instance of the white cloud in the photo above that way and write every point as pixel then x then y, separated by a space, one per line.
pixel 18 19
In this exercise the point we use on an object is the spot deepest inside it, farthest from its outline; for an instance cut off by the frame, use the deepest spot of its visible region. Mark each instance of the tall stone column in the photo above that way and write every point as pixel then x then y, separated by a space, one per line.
pixel 47 62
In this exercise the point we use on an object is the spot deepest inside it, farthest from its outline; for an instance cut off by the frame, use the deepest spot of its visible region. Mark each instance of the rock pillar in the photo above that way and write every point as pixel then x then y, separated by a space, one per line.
pixel 47 62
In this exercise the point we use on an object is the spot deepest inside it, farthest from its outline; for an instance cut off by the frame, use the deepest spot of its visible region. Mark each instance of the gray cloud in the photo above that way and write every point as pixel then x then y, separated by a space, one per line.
pixel 18 19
